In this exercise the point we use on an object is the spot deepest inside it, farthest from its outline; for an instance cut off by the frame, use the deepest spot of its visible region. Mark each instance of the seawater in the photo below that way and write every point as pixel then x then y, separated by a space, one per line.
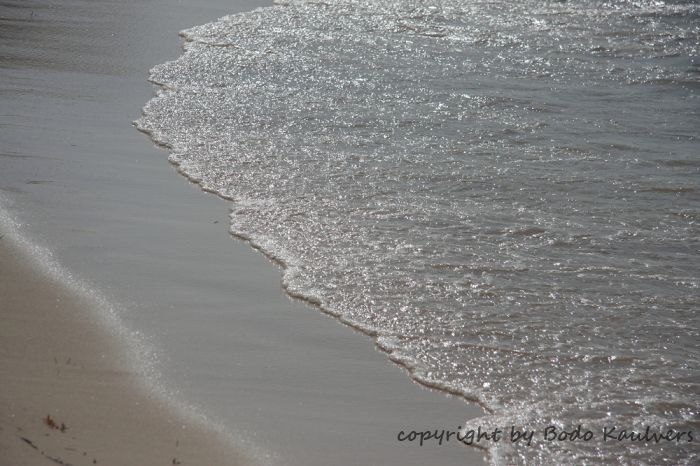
pixel 506 195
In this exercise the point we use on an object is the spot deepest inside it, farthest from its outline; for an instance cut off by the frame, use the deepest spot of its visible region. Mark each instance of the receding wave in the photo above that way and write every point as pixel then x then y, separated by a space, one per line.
pixel 490 189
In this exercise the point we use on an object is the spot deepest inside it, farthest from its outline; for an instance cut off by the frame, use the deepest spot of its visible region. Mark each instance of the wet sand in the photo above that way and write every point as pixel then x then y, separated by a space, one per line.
pixel 290 384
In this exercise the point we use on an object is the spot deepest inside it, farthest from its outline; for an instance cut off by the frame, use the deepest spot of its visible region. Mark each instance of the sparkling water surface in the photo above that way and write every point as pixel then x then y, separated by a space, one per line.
pixel 505 194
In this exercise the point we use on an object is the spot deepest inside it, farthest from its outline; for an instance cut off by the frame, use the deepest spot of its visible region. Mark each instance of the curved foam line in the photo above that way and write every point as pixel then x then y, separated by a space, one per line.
pixel 277 257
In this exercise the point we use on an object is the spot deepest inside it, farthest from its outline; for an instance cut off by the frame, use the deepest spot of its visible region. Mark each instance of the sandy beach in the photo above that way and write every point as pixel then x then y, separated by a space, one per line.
pixel 273 380
pixel 69 393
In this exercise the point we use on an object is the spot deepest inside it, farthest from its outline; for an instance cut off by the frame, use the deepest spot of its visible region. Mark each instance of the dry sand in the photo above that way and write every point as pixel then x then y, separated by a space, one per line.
pixel 69 395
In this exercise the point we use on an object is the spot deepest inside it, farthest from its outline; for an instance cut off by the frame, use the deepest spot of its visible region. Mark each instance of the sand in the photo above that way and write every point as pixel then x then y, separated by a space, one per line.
pixel 69 394
pixel 289 384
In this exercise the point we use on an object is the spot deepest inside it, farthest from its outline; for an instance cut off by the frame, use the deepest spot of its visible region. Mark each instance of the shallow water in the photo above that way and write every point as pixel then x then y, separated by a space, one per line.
pixel 506 196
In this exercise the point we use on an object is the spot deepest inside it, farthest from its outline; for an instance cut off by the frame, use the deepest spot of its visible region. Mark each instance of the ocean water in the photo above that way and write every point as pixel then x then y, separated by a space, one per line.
pixel 506 195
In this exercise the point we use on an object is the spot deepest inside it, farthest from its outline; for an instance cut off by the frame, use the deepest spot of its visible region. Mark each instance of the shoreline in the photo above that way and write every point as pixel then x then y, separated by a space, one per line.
pixel 280 263
pixel 70 393
pixel 280 375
